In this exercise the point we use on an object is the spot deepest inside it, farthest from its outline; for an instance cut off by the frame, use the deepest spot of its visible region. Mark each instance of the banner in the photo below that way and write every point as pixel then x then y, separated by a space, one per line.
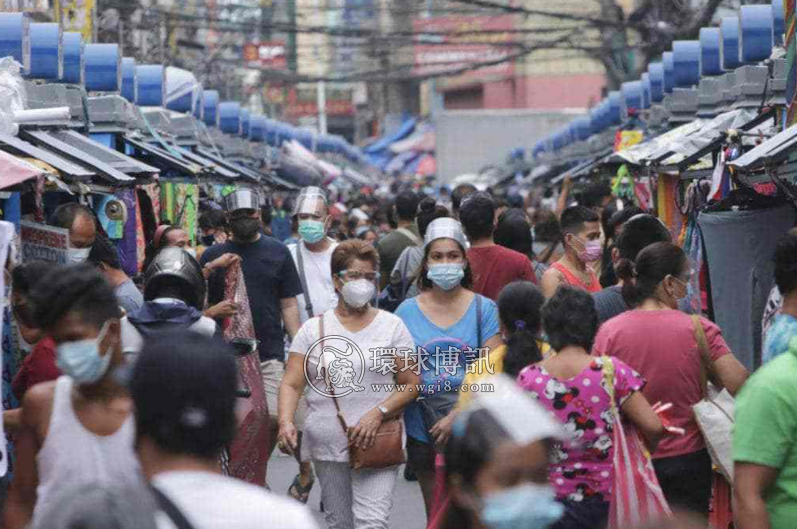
pixel 447 44
pixel 791 62
pixel 26 6
pixel 44 243
pixel 76 15
pixel 270 55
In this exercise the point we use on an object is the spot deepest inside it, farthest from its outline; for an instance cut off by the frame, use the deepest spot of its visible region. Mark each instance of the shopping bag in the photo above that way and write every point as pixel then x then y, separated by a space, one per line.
pixel 715 412
pixel 636 494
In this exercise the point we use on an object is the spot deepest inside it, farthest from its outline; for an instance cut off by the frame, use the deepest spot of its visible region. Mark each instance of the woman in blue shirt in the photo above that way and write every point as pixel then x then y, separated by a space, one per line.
pixel 445 319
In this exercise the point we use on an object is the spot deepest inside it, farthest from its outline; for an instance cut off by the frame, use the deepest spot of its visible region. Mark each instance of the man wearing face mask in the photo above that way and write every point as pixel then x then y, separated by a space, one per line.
pixel 105 257
pixel 313 258
pixel 272 283
pixel 78 430
pixel 581 234
pixel 82 226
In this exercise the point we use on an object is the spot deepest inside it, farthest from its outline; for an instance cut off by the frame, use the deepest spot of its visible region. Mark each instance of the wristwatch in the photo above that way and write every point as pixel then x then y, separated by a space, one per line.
pixel 384 410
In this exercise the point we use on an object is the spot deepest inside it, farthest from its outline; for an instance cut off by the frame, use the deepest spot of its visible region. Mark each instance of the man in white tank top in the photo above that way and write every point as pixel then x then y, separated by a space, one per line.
pixel 78 430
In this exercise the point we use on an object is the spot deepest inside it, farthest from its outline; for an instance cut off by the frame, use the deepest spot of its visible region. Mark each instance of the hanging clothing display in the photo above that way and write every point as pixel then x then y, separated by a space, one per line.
pixel 179 204
pixel 667 207
pixel 250 449
pixel 739 247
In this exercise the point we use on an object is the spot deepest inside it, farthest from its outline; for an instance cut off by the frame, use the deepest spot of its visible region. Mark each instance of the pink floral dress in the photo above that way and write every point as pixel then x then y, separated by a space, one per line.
pixel 582 467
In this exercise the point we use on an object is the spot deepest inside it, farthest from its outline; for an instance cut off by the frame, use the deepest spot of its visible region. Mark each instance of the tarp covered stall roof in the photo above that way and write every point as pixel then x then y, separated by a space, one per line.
pixel 710 137
pixel 14 171
pixel 99 158
pixel 777 152
pixel 64 166
pixel 581 170
pixel 117 160
pixel 642 153
pixel 207 164
pixel 243 171
pixel 164 159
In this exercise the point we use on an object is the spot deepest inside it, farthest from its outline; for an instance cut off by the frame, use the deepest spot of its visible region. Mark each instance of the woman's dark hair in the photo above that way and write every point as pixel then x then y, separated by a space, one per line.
pixel 24 279
pixel 424 283
pixel 786 263
pixel 468 453
pixel 570 318
pixel 514 232
pixel 519 306
pixel 639 232
pixel 26 276
pixel 653 264
pixel 428 210
pixel 611 220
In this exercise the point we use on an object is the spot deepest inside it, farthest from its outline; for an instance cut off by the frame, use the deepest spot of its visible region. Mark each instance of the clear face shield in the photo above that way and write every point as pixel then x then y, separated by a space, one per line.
pixel 311 201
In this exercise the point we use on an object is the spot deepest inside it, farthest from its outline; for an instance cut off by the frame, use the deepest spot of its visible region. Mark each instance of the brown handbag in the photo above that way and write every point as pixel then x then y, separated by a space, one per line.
pixel 387 450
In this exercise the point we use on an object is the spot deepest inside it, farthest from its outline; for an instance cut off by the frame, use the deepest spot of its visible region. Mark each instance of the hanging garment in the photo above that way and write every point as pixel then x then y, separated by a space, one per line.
pixel 127 245
pixel 739 248
pixel 252 444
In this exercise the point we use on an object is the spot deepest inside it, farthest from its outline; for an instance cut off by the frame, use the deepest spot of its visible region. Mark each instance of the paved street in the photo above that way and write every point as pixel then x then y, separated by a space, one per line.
pixel 407 505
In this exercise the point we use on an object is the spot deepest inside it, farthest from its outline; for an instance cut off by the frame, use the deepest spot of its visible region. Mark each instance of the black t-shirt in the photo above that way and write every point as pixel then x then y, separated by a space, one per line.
pixel 271 276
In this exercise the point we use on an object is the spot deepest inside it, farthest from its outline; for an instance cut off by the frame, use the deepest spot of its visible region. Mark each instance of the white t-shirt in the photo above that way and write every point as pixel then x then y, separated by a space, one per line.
pixel 386 335
pixel 318 271
pixel 213 501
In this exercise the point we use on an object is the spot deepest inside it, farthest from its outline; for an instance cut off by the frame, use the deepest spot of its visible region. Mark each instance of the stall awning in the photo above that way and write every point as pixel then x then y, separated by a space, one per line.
pixel 14 171
pixel 117 160
pixel 49 141
pixel 243 171
pixel 774 150
pixel 164 158
pixel 64 166
pixel 208 164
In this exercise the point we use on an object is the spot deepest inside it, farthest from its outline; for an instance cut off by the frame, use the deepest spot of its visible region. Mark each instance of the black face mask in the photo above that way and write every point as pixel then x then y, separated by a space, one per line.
pixel 207 240
pixel 244 229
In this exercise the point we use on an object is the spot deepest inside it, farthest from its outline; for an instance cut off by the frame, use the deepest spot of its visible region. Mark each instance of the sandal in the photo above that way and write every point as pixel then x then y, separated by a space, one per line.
pixel 299 493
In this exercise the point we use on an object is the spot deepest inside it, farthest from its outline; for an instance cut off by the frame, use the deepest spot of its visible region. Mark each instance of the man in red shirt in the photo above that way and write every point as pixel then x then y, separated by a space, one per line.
pixel 493 266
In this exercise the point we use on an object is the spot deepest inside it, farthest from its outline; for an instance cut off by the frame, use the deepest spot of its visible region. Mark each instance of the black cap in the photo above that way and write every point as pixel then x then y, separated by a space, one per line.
pixel 184 386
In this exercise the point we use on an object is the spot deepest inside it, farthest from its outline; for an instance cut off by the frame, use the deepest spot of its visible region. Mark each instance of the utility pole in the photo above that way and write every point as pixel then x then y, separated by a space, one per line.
pixel 292 51
pixel 321 90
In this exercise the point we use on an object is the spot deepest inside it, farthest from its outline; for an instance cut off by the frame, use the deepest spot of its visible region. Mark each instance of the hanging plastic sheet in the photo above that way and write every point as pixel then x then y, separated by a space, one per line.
pixel 739 248
pixel 252 444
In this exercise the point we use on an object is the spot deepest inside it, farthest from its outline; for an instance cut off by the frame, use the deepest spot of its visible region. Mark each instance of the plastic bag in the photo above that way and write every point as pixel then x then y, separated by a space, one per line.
pixel 12 94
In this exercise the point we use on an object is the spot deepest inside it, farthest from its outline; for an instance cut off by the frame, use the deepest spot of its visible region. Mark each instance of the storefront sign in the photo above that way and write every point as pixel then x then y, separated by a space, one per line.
pixel 446 44
pixel 44 243
pixel 269 55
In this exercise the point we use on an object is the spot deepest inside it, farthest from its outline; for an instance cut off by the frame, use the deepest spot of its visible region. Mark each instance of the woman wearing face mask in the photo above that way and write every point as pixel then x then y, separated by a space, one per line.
pixel 497 465
pixel 571 385
pixel 658 341
pixel 445 316
pixel 352 498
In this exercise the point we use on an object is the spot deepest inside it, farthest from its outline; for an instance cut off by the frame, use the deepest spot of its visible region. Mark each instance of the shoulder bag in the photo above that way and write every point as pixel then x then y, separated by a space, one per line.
pixel 308 305
pixel 437 406
pixel 388 447
pixel 715 412
pixel 636 493
pixel 170 509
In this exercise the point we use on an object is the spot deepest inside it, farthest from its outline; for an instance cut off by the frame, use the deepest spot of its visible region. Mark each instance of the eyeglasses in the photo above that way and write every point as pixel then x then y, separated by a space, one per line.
pixel 354 275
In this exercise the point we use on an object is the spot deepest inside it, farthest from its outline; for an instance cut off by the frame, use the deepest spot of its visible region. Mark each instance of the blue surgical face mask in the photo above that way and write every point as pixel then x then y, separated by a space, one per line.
pixel 82 361
pixel 311 231
pixel 447 275
pixel 528 506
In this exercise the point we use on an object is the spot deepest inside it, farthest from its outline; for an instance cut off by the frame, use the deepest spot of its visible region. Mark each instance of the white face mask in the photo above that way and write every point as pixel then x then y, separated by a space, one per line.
pixel 358 293
pixel 78 255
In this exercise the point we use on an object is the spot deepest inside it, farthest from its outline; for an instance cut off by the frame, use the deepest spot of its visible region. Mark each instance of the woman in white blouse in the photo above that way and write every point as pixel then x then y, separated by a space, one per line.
pixel 365 352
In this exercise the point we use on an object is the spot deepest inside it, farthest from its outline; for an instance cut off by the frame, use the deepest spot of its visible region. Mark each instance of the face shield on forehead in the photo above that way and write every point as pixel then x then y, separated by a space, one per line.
pixel 242 199
pixel 445 228
pixel 311 201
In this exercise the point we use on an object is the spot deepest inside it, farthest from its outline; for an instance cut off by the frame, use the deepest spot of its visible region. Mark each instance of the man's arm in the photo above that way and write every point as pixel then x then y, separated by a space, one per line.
pixel 749 483
pixel 22 494
pixel 290 316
